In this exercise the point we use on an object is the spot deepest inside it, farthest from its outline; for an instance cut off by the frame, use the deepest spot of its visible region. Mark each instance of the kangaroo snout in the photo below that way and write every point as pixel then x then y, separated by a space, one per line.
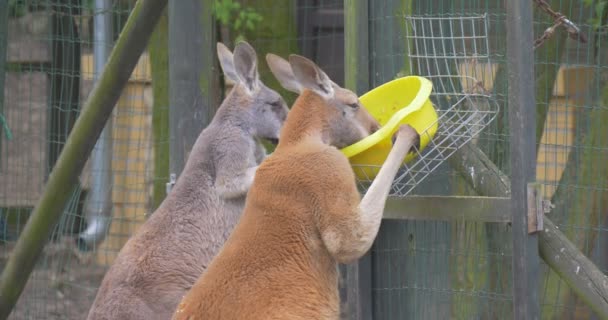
pixel 366 120
pixel 374 127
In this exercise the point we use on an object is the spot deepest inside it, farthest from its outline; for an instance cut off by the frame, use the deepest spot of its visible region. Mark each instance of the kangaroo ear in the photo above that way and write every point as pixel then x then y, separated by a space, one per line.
pixel 281 70
pixel 310 76
pixel 226 62
pixel 246 65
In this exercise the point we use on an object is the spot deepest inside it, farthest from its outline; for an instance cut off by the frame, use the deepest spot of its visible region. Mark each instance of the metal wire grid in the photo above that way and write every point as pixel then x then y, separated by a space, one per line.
pixel 442 49
pixel 572 152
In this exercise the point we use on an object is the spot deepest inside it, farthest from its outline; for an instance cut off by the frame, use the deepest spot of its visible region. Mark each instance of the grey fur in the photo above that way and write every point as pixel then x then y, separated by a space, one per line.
pixel 169 252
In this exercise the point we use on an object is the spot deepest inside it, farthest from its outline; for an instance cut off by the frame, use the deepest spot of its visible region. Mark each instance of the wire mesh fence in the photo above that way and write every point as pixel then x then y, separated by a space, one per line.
pixel 441 270
pixel 420 269
pixel 464 106
pixel 461 270
pixel 48 73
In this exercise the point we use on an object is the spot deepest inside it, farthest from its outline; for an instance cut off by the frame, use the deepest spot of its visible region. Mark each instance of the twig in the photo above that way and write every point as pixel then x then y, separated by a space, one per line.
pixel 574 32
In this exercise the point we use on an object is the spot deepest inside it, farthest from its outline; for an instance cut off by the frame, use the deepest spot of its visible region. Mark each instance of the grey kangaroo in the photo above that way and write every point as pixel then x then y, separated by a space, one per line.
pixel 160 263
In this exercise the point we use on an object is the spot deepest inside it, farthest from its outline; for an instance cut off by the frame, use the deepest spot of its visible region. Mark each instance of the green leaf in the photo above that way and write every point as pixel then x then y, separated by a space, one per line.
pixel 599 8
pixel 239 38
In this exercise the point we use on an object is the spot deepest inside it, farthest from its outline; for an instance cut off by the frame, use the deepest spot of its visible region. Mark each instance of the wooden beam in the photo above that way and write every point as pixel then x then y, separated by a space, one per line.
pixel 357 288
pixel 552 242
pixel 3 49
pixel 356 45
pixel 159 71
pixel 522 121
pixel 443 208
pixel 587 281
pixel 193 78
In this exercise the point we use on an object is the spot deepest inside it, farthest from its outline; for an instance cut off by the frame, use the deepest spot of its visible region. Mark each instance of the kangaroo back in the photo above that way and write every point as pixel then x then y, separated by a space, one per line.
pixel 303 214
pixel 168 253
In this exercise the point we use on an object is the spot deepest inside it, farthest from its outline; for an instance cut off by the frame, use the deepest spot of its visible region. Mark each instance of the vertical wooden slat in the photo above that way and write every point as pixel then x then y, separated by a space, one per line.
pixel 193 82
pixel 522 121
pixel 356 290
pixel 3 49
pixel 356 43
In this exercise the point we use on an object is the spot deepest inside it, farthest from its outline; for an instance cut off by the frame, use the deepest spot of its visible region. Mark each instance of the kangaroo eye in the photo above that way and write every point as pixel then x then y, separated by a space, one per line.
pixel 354 105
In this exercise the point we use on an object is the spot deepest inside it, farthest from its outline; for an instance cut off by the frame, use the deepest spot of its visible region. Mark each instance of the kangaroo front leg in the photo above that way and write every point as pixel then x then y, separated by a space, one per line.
pixel 260 152
pixel 372 205
pixel 237 185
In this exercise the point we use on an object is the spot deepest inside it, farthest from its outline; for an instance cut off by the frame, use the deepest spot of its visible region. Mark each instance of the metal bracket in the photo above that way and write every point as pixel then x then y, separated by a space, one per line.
pixel 537 207
pixel 169 185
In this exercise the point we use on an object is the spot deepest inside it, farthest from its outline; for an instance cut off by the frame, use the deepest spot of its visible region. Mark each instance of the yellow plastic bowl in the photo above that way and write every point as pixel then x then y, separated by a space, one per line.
pixel 401 101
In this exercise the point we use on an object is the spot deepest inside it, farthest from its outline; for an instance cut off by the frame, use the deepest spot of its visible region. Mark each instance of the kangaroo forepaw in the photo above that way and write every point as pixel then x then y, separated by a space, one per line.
pixel 415 145
pixel 407 133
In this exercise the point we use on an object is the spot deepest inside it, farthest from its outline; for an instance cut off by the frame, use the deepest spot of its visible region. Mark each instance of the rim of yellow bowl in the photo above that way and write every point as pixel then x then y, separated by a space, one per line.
pixel 423 94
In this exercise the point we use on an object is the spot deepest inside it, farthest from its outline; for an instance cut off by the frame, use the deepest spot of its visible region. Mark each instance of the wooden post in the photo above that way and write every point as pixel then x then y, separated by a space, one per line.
pixel 356 291
pixel 520 58
pixel 159 66
pixel 3 48
pixel 87 129
pixel 193 76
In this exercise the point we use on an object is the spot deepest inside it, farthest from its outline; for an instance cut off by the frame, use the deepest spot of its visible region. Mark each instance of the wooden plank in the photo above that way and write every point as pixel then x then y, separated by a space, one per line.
pixel 141 73
pixel 556 142
pixel 357 290
pixel 589 283
pixel 356 43
pixel 522 121
pixel 573 80
pixel 132 156
pixel 449 208
pixel 193 76
pixel 3 48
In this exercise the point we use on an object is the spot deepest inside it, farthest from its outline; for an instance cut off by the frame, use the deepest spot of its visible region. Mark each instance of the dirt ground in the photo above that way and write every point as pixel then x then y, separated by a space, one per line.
pixel 62 286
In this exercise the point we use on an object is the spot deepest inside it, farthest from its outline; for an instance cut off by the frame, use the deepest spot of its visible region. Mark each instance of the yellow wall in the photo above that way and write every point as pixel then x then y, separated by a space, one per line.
pixel 132 161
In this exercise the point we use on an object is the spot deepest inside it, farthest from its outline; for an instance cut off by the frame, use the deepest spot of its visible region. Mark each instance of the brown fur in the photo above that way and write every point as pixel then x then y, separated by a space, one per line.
pixel 303 215
pixel 160 263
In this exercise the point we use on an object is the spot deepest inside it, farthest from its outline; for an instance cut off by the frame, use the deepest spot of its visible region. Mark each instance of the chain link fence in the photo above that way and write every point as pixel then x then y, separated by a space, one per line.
pixel 420 269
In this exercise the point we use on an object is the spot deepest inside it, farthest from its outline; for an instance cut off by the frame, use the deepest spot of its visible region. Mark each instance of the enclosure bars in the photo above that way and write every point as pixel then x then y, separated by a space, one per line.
pixel 97 109
pixel 356 290
pixel 522 121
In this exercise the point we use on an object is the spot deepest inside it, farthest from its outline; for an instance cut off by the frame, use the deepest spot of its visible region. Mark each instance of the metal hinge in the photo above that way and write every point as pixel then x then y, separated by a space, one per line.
pixel 169 185
pixel 537 207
